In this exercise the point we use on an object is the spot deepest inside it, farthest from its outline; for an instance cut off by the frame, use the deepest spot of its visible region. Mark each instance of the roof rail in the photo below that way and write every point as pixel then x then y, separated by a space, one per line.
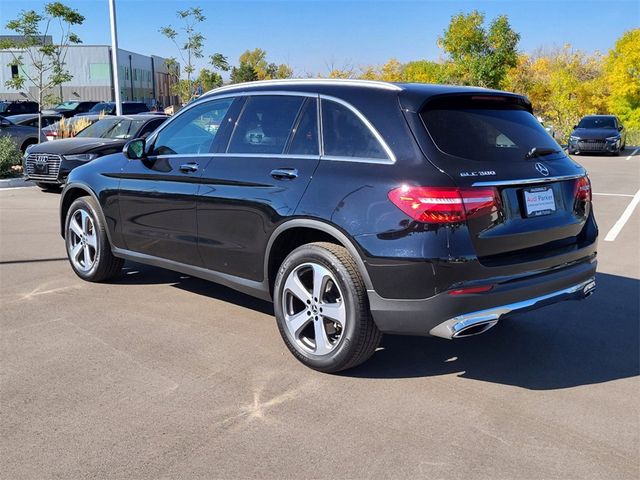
pixel 308 81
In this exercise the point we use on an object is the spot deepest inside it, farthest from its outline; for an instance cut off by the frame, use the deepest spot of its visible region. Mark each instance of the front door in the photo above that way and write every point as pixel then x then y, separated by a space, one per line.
pixel 256 181
pixel 158 193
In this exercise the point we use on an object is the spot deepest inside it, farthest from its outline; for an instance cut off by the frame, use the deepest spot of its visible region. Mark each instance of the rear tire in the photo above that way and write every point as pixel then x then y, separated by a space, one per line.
pixel 322 309
pixel 88 246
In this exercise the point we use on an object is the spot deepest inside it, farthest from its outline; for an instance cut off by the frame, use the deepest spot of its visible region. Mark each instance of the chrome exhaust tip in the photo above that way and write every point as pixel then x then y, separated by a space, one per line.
pixel 474 329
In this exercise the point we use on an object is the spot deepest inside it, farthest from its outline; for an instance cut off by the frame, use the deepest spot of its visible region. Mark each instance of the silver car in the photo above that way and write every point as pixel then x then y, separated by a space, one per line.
pixel 22 136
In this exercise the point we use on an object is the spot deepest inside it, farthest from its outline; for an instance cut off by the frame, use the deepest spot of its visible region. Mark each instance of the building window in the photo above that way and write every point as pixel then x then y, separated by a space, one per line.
pixel 14 71
pixel 99 71
pixel 126 73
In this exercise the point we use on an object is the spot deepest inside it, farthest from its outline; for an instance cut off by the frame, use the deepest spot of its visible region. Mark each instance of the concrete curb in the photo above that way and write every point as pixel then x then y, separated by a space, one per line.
pixel 15 182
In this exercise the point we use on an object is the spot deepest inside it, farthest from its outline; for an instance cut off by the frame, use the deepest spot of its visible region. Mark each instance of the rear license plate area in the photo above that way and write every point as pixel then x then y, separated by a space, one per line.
pixel 538 201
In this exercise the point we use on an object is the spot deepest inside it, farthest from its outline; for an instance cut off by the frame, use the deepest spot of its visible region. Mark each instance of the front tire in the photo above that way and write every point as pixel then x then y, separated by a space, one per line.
pixel 88 247
pixel 322 310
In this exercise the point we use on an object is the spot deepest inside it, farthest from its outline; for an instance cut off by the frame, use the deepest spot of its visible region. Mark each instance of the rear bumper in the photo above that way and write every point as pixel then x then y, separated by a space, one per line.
pixel 446 315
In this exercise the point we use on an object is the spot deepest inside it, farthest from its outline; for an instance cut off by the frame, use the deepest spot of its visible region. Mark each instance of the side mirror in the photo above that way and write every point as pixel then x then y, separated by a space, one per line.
pixel 620 128
pixel 134 149
pixel 575 126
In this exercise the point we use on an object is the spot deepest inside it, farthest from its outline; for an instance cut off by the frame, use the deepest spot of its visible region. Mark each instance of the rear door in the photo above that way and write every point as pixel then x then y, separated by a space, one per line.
pixel 256 181
pixel 493 145
pixel 158 194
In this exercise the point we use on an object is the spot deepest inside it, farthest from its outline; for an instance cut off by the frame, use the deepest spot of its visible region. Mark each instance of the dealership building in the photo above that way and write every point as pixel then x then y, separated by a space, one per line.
pixel 142 78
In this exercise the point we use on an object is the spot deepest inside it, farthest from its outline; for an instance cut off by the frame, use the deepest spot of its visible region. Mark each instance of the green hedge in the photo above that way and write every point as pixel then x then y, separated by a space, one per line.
pixel 10 156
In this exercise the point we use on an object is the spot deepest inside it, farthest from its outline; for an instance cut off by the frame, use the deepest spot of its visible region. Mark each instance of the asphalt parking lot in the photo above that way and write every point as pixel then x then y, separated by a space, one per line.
pixel 158 375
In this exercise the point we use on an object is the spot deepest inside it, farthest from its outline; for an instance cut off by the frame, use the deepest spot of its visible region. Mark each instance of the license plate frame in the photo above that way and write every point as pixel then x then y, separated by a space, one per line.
pixel 539 201
pixel 41 169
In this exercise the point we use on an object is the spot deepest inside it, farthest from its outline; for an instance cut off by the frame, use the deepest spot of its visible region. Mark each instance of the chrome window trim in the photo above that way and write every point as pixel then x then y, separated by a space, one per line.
pixel 391 158
pixel 525 181
pixel 239 155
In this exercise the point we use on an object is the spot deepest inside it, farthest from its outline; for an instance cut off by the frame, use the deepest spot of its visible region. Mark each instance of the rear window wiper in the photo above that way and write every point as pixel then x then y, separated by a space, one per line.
pixel 540 152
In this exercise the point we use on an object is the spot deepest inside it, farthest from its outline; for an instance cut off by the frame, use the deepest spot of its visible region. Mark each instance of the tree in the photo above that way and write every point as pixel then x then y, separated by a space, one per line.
pixel 563 85
pixel 243 73
pixel 425 71
pixel 622 76
pixel 189 50
pixel 264 70
pixel 479 56
pixel 44 65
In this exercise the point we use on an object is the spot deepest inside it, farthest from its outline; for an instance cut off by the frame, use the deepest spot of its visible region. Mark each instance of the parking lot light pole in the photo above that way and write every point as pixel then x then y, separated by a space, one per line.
pixel 114 56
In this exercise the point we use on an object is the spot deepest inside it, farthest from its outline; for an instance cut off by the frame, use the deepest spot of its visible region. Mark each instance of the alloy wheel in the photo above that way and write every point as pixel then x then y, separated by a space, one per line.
pixel 83 241
pixel 314 310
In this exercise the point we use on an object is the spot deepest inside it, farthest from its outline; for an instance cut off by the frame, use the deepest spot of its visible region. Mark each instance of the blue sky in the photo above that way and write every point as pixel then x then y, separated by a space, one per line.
pixel 311 35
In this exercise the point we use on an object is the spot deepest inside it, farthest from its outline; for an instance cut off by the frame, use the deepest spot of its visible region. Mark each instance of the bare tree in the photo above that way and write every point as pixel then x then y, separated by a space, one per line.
pixel 40 62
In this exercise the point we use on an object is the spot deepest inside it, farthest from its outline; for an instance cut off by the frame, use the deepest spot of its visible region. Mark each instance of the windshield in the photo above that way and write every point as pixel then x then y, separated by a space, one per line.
pixel 486 134
pixel 67 106
pixel 597 122
pixel 112 128
pixel 101 107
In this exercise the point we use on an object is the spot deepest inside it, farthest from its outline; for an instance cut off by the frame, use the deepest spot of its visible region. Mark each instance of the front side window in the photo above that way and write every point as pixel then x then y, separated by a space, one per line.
pixel 265 124
pixel 192 131
pixel 346 135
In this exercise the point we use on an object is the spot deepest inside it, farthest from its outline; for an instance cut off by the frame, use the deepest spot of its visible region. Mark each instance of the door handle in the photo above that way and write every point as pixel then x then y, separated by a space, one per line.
pixel 284 173
pixel 189 167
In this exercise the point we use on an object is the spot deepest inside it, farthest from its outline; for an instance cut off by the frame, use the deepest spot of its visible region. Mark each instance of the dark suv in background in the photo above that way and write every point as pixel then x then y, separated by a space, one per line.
pixel 109 108
pixel 70 108
pixel 356 207
pixel 17 107
pixel 599 134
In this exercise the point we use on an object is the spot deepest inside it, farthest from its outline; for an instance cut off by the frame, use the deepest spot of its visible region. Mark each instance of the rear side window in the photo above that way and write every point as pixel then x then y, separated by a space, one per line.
pixel 346 135
pixel 265 124
pixel 304 139
pixel 491 130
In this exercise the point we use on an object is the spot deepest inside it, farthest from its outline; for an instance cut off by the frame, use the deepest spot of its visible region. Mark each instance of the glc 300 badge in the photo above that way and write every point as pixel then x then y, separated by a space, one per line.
pixel 481 173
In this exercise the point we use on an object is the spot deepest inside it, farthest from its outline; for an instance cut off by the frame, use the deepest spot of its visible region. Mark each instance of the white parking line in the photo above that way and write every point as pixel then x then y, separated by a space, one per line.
pixel 626 215
pixel 614 194
pixel 632 154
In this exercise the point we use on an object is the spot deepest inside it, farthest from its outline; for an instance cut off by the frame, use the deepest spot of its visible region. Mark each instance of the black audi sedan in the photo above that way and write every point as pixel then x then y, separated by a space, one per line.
pixel 49 163
pixel 598 133
pixel 358 207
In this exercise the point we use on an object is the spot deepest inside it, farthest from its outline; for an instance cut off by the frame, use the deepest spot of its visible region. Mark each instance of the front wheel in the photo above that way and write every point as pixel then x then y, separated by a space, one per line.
pixel 87 244
pixel 322 309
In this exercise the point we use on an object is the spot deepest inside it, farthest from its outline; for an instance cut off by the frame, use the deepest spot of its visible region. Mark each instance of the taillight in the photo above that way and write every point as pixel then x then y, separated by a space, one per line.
pixel 583 189
pixel 471 290
pixel 444 204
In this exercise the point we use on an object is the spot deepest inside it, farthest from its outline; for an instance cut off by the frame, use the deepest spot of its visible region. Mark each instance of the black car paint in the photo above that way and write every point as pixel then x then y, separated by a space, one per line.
pixel 223 219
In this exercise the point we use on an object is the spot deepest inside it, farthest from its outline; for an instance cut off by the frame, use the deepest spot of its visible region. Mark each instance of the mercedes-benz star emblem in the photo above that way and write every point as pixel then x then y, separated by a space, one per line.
pixel 542 169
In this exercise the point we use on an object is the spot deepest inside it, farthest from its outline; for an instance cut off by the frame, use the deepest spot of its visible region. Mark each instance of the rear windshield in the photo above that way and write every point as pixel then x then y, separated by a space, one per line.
pixel 486 130
pixel 597 122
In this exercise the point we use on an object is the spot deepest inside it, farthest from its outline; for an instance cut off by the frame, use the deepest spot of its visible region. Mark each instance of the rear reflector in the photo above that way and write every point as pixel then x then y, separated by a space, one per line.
pixel 444 204
pixel 465 291
pixel 583 189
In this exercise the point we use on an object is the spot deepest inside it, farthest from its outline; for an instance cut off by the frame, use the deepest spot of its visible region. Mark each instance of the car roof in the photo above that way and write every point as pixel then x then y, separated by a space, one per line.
pixel 135 116
pixel 599 116
pixel 29 116
pixel 413 95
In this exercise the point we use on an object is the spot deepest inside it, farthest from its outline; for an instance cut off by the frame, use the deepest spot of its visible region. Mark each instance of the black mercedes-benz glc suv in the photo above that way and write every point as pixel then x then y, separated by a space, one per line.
pixel 358 208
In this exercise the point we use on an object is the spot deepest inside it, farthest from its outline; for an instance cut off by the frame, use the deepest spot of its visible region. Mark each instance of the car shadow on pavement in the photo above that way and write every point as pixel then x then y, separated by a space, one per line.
pixel 560 346
pixel 138 274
